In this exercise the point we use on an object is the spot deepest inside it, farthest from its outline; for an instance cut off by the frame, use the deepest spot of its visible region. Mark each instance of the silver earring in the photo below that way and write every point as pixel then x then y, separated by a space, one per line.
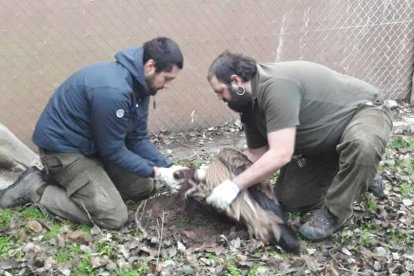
pixel 240 90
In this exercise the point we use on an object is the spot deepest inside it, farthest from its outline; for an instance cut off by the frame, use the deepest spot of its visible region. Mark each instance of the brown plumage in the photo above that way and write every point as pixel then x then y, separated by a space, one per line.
pixel 256 207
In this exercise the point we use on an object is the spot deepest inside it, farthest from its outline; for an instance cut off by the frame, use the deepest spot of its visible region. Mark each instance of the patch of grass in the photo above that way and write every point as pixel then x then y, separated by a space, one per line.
pixel 407 190
pixel 370 203
pixel 371 227
pixel 254 270
pixel 53 232
pixel 72 254
pixel 293 214
pixel 4 247
pixel 5 217
pixel 62 256
pixel 185 162
pixel 285 256
pixel 33 213
pixel 85 266
pixel 75 248
pixel 274 176
pixel 232 269
pixel 399 142
pixel 211 256
pixel 130 272
pixel 68 253
pixel 85 228
pixel 105 249
pixel 400 237
pixel 366 237
pixel 345 236
pixel 140 269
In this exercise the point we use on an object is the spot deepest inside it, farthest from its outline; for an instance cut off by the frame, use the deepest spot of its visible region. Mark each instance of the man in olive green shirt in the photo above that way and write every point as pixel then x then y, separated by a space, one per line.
pixel 325 131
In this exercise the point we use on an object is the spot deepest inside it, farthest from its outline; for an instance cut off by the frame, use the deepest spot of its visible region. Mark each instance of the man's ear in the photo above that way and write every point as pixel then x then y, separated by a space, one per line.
pixel 149 67
pixel 236 79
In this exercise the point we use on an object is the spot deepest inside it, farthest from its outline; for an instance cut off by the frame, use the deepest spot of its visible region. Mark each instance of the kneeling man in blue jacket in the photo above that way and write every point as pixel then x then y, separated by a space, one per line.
pixel 93 139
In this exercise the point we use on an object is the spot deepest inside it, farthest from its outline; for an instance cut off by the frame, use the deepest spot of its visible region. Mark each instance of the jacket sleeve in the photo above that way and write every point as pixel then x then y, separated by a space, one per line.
pixel 138 140
pixel 109 123
pixel 147 150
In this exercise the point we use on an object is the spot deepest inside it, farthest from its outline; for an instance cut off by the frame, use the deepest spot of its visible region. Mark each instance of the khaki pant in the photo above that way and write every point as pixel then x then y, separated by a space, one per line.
pixel 337 179
pixel 80 183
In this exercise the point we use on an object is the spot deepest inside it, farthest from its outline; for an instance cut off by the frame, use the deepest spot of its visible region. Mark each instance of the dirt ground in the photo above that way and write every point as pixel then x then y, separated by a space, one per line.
pixel 184 219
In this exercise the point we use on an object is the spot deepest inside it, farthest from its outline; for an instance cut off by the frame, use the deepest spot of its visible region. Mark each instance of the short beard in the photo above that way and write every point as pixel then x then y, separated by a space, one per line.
pixel 240 103
pixel 151 91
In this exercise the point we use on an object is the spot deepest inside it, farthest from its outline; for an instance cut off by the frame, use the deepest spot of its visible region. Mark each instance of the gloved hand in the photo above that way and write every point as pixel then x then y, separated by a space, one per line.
pixel 223 195
pixel 166 176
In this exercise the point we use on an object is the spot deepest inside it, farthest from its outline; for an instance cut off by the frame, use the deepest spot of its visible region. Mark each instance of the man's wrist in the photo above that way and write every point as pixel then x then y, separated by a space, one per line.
pixel 233 185
pixel 154 171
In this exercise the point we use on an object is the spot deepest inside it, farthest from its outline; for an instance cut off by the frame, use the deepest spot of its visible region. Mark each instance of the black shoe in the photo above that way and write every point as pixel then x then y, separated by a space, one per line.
pixel 24 190
pixel 321 225
pixel 377 187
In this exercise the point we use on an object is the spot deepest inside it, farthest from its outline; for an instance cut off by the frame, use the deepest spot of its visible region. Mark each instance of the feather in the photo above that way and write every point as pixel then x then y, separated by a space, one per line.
pixel 257 207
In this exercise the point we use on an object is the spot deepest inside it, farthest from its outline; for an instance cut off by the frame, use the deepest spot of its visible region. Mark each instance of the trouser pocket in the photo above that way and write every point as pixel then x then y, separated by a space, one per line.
pixel 55 163
pixel 77 182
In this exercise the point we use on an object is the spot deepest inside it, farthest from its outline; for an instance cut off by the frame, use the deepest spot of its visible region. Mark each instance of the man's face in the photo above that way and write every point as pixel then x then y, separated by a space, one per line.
pixel 230 95
pixel 222 90
pixel 160 80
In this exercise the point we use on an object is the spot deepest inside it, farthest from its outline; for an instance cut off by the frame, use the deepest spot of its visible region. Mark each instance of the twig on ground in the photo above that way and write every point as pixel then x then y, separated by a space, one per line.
pixel 89 216
pixel 44 224
pixel 184 144
pixel 138 221
pixel 195 154
pixel 340 267
pixel 159 233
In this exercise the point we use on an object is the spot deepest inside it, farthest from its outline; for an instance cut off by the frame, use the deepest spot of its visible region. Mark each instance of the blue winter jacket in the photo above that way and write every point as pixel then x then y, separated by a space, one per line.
pixel 102 110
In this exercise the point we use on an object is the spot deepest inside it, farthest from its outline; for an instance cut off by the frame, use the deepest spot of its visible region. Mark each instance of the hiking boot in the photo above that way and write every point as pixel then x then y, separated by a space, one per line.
pixel 321 225
pixel 27 188
pixel 377 187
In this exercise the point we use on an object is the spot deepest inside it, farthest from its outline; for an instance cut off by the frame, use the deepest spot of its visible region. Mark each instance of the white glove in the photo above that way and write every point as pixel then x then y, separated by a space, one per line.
pixel 166 177
pixel 200 175
pixel 223 195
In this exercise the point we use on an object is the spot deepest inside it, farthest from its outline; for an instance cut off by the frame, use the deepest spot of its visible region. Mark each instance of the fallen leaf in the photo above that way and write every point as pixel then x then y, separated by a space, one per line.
pixel 330 270
pixel 181 247
pixel 60 240
pixel 346 251
pixel 97 261
pixel 407 202
pixel 35 226
pixel 80 237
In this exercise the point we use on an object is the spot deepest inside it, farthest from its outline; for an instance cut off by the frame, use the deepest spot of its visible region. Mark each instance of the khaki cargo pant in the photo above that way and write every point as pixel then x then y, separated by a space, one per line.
pixel 81 183
pixel 338 179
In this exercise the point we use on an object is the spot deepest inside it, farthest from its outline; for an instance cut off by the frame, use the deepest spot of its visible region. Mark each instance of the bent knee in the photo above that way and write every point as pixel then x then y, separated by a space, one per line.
pixel 362 151
pixel 142 189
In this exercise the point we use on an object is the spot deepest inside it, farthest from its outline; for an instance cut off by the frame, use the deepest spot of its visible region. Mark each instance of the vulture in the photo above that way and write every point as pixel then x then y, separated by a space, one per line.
pixel 257 207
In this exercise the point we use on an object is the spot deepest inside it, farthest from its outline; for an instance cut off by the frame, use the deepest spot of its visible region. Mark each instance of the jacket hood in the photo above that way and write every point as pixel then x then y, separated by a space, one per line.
pixel 131 59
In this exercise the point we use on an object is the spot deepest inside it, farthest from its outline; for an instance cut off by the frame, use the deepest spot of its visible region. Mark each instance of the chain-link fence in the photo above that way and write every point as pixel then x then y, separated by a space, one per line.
pixel 43 41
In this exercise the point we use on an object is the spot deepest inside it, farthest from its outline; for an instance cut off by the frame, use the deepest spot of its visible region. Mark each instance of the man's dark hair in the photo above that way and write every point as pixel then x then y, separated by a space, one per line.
pixel 227 64
pixel 165 52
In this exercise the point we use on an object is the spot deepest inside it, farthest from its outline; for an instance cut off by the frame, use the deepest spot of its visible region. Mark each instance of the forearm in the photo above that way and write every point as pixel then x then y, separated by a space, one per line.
pixel 254 154
pixel 128 161
pixel 146 149
pixel 263 168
